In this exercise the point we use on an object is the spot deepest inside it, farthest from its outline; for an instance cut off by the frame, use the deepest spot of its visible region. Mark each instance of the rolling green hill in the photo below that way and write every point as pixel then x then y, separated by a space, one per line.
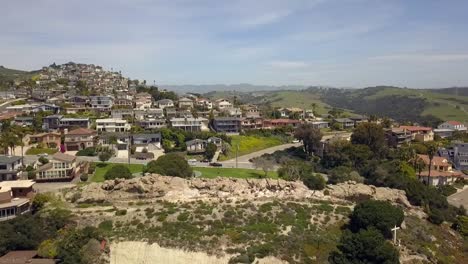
pixel 428 106
pixel 7 76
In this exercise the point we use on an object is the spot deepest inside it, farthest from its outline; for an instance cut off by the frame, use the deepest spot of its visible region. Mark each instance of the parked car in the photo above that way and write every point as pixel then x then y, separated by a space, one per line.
pixel 216 164
pixel 192 162
pixel 43 155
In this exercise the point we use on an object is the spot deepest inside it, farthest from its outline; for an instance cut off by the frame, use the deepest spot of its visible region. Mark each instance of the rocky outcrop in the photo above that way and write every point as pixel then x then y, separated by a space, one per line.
pixel 174 188
pixel 358 191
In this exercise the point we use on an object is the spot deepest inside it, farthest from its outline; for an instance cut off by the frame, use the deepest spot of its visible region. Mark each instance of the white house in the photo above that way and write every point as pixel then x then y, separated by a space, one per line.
pixel 112 125
pixel 190 123
pixel 223 104
pixel 453 125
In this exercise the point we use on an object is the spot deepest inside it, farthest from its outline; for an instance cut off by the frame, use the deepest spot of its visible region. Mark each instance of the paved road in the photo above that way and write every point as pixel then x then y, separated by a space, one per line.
pixel 246 158
pixel 460 198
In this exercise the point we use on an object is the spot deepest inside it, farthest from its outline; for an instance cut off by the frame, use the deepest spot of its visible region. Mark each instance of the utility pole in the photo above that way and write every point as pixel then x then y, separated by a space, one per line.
pixel 237 152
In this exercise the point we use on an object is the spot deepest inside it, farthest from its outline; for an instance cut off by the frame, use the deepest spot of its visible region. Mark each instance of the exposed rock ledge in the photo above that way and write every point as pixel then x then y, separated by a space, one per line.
pixel 174 188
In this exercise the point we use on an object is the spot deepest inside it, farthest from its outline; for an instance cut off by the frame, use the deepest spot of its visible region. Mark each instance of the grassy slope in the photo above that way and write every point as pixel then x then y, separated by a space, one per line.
pixel 101 170
pixel 249 144
pixel 11 74
pixel 443 106
pixel 233 173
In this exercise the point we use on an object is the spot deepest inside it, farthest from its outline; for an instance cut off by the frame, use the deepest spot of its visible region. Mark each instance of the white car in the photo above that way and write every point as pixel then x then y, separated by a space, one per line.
pixel 296 141
pixel 192 162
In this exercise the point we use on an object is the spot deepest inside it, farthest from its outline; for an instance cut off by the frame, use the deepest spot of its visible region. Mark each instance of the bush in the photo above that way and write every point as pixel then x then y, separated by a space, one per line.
pixel 84 177
pixel 118 171
pixel 105 156
pixel 436 216
pixel 43 160
pixel 461 225
pixel 91 168
pixel 106 225
pixel 90 152
pixel 380 215
pixel 121 212
pixel 314 182
pixel 366 246
pixel 171 164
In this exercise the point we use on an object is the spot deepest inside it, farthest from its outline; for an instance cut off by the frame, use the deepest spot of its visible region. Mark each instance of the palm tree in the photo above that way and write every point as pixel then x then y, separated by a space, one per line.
pixel 431 151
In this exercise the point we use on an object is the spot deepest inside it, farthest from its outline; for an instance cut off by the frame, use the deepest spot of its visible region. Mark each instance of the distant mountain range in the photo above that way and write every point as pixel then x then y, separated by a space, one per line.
pixel 242 87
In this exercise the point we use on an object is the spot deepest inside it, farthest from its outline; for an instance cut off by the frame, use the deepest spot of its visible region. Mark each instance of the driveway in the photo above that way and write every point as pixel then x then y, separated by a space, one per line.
pixel 460 198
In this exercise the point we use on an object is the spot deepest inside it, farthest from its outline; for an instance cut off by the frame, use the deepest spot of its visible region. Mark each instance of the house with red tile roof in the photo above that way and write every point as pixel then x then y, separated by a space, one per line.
pixel 441 172
pixel 453 125
pixel 419 133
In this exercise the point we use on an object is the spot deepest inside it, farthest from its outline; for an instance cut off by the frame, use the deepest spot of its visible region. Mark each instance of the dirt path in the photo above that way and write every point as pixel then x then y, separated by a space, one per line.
pixel 246 158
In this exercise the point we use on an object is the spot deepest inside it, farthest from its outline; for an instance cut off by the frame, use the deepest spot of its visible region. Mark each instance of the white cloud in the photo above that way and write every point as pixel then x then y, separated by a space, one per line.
pixel 288 65
pixel 263 19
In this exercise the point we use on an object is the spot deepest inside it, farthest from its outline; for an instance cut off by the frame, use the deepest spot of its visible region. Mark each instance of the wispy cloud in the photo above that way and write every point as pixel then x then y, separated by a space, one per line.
pixel 446 57
pixel 287 65
pixel 263 19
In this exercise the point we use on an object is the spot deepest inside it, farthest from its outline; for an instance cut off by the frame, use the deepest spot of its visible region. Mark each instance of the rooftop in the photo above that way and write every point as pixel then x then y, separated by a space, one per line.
pixel 9 159
pixel 416 128
pixel 8 185
pixel 81 131
pixel 63 157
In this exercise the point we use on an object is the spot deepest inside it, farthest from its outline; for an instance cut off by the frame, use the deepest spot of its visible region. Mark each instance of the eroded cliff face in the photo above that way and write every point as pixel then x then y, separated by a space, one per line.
pixel 178 189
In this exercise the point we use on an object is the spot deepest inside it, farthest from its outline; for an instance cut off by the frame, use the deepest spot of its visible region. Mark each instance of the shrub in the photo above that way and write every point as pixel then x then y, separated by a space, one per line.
pixel 106 225
pixel 121 212
pixel 90 152
pixel 436 216
pixel 377 214
pixel 43 160
pixel 314 182
pixel 461 225
pixel 366 246
pixel 104 156
pixel 91 168
pixel 84 177
pixel 117 172
pixel 170 165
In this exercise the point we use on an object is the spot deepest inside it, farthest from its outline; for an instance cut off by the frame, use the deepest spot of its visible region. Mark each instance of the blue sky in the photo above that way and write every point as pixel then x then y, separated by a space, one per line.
pixel 345 43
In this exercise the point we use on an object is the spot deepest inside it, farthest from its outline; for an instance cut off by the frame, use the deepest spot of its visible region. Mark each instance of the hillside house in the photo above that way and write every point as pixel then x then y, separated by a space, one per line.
pixel 163 103
pixel 15 197
pixel 185 102
pixel 61 167
pixel 223 104
pixel 345 123
pixel 80 138
pixel 441 171
pixel 460 155
pixel 252 123
pixel 227 124
pixel 396 137
pixel 147 140
pixel 420 134
pixel 123 103
pixel 453 125
pixel 282 122
pixel 196 146
pixel 215 140
pixel 101 103
pixel 9 166
pixel 320 124
pixel 152 123
pixel 49 139
pixel 112 125
pixel 190 123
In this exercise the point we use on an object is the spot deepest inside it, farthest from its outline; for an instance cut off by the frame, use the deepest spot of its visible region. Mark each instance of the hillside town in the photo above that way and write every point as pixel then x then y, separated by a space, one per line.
pixel 68 121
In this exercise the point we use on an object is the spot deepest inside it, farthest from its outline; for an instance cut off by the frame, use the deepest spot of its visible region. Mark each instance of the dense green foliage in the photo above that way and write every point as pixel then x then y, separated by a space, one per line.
pixel 170 164
pixel 87 152
pixel 27 231
pixel 118 171
pixel 210 150
pixel 365 246
pixel 380 215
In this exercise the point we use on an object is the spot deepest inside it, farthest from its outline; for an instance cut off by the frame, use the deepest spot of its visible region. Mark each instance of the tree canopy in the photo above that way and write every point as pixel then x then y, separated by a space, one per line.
pixel 310 137
pixel 118 171
pixel 171 164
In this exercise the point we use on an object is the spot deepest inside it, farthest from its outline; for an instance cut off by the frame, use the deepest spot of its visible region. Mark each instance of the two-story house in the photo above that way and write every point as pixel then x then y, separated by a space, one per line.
pixel 441 172
pixel 163 103
pixel 49 139
pixel 446 129
pixel 102 103
pixel 80 138
pixel 460 155
pixel 185 102
pixel 15 197
pixel 152 123
pixel 61 167
pixel 112 125
pixel 420 134
pixel 143 100
pixel 345 123
pixel 190 123
pixel 122 103
pixel 9 166
pixel 227 124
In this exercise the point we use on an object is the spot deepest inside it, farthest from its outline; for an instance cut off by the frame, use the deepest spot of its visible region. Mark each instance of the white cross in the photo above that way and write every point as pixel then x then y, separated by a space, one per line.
pixel 394 234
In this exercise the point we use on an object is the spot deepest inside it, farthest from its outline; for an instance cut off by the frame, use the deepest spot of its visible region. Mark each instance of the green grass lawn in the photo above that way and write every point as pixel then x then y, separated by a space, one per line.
pixel 36 151
pixel 101 169
pixel 233 173
pixel 249 144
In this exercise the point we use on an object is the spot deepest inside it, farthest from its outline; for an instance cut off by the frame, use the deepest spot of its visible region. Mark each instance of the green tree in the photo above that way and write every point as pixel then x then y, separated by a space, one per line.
pixel 264 164
pixel 118 171
pixel 310 137
pixel 381 215
pixel 314 182
pixel 431 151
pixel 171 164
pixel 104 156
pixel 210 150
pixel 363 247
pixel 371 135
